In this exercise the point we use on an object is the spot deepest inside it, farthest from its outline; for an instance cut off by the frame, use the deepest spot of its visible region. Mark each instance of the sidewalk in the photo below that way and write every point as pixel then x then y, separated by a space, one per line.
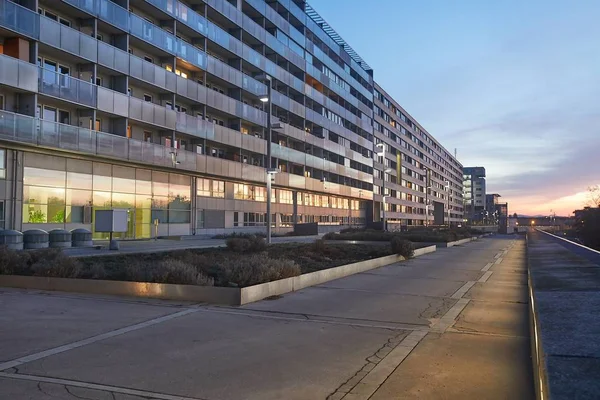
pixel 153 246
pixel 485 353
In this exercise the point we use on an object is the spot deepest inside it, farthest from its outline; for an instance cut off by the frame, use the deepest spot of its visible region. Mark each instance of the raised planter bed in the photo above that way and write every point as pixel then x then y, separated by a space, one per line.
pixel 204 294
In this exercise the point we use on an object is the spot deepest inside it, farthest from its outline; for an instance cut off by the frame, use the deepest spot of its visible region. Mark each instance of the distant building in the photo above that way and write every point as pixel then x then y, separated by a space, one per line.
pixel 502 215
pixel 474 194
pixel 490 202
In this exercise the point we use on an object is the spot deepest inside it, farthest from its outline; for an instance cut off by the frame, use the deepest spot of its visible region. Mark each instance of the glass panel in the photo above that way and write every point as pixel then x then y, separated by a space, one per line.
pixel 124 185
pixel 43 177
pixel 102 199
pixel 101 182
pixel 123 200
pixel 79 181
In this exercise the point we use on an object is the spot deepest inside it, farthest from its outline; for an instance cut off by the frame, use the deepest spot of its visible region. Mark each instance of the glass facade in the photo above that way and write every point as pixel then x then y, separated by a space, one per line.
pixel 59 197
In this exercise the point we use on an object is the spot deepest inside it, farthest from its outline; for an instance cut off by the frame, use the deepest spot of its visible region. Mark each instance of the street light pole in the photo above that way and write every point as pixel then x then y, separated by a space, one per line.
pixel 448 200
pixel 270 171
pixel 269 166
pixel 426 196
pixel 381 153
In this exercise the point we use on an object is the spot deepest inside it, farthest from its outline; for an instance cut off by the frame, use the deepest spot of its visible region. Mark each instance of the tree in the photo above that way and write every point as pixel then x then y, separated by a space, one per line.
pixel 587 226
pixel 594 195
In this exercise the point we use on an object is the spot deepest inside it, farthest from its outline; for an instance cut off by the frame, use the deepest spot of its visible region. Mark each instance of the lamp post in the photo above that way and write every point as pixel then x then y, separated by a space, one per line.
pixel 270 171
pixel 448 200
pixel 381 153
pixel 426 196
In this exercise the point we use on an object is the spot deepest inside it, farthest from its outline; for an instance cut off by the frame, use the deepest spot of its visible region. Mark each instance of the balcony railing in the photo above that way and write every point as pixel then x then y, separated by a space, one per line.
pixel 18 74
pixel 60 36
pixel 24 129
pixel 19 19
pixel 66 87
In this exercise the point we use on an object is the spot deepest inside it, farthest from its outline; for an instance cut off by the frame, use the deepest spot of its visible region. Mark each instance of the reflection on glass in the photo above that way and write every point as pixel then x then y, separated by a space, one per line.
pixel 79 181
pixel 102 183
pixel 43 177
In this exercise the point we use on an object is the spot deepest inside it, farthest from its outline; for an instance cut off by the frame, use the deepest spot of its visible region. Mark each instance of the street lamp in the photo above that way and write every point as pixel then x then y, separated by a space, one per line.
pixel 381 153
pixel 266 98
pixel 426 195
pixel 448 200
pixel 385 171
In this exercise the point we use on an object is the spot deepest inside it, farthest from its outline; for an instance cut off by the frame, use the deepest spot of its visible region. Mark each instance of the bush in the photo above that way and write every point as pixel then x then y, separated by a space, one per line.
pixel 402 247
pixel 319 246
pixel 169 270
pixel 12 262
pixel 239 235
pixel 256 269
pixel 251 244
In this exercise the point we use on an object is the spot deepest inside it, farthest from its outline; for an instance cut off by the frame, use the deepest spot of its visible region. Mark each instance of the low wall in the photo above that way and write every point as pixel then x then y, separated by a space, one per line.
pixel 258 292
pixel 200 294
pixel 564 302
pixel 165 291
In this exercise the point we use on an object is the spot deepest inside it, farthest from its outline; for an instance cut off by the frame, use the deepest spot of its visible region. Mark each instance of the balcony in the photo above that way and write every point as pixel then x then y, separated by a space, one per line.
pixel 19 19
pixel 152 73
pixel 68 39
pixel 151 113
pixel 113 58
pixel 18 74
pixel 150 33
pixel 24 129
pixel 67 88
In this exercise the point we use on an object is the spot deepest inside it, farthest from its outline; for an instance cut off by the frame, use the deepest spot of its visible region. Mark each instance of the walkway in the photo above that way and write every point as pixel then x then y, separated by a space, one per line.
pixel 153 246
pixel 451 324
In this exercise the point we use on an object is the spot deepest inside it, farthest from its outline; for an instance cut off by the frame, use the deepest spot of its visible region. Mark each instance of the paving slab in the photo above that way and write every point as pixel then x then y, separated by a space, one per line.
pixel 359 305
pixel 498 292
pixel 224 356
pixel 395 284
pixel 462 366
pixel 501 318
pixel 32 321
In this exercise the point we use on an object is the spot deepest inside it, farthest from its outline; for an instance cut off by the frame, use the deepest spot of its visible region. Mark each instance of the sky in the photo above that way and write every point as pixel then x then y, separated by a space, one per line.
pixel 513 85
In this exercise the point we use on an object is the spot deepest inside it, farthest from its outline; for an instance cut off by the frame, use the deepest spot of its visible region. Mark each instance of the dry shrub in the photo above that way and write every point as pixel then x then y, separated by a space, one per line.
pixel 402 247
pixel 169 270
pixel 53 263
pixel 13 262
pixel 319 246
pixel 256 269
pixel 250 244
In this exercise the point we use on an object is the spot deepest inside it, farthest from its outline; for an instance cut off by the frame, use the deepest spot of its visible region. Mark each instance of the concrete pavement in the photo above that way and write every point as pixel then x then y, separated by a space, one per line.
pixel 446 325
pixel 153 246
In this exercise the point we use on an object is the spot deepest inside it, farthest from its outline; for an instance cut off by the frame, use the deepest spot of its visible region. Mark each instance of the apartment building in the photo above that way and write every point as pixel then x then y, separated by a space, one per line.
pixel 154 106
pixel 474 194
pixel 422 180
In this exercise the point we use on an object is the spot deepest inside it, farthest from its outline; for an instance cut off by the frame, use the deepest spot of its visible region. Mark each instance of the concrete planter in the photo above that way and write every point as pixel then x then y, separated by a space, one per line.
pixel 455 243
pixel 201 294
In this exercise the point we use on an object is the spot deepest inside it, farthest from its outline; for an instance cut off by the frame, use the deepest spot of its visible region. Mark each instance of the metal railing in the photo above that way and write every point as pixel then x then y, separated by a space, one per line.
pixel 66 87
pixel 21 128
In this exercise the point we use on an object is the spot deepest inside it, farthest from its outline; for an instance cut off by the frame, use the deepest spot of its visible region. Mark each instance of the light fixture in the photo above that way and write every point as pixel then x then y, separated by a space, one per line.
pixel 264 98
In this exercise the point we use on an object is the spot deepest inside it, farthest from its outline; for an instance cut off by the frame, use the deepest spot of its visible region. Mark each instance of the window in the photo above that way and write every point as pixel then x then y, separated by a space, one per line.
pixel 63 117
pixel 210 188
pixel 96 126
pixel 2 168
pixel 147 98
pixel 147 136
pixel 149 59
pixel 1 102
pixel 286 197
pixel 242 191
